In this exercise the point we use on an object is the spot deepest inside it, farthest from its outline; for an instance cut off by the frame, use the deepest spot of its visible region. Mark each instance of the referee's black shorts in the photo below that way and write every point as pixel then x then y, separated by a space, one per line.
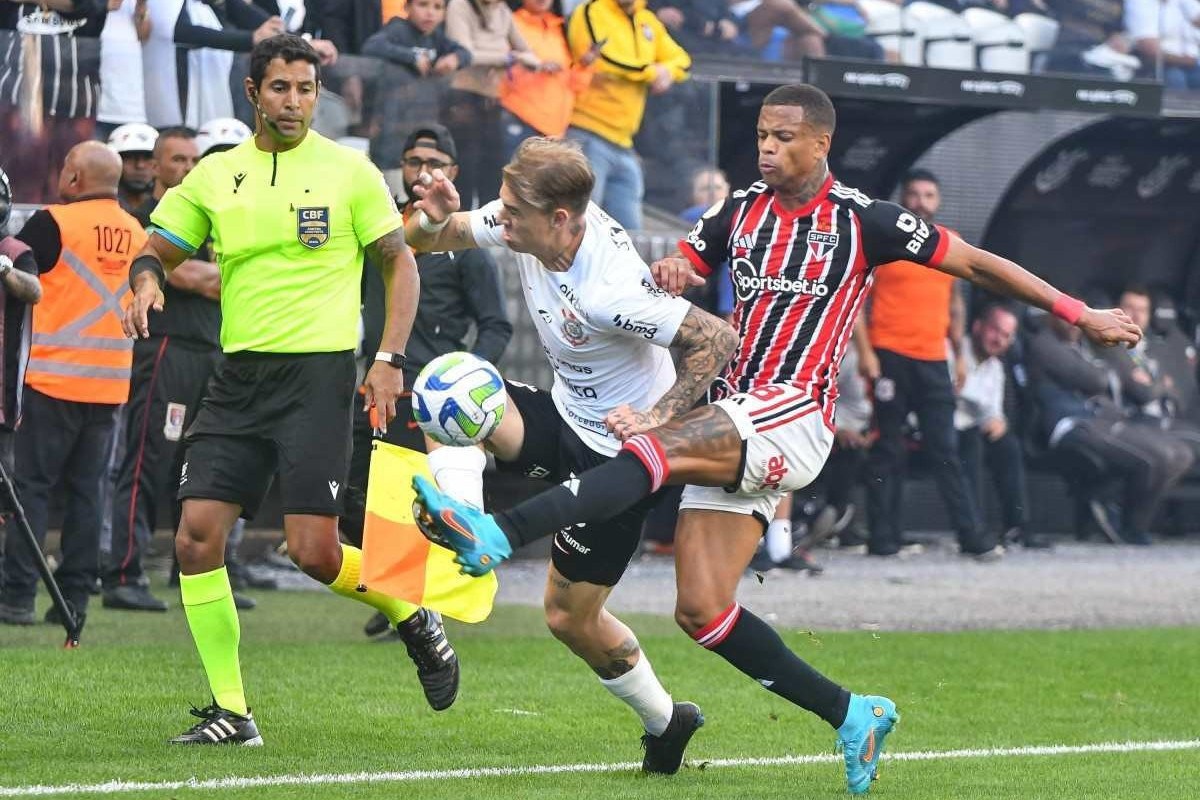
pixel 268 412
pixel 596 553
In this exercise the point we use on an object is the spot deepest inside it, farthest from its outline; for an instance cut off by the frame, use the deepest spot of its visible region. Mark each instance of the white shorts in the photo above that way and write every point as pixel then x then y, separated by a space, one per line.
pixel 785 443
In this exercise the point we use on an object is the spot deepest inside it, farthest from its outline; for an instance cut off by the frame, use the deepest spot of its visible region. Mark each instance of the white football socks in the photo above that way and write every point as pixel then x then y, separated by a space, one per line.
pixel 779 539
pixel 640 690
pixel 458 472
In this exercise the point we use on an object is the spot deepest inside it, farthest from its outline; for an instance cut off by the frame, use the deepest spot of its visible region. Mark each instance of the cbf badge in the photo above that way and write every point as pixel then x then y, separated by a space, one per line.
pixel 312 226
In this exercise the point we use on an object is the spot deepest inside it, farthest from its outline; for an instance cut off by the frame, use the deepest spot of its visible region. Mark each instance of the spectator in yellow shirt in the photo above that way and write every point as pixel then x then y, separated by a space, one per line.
pixel 636 56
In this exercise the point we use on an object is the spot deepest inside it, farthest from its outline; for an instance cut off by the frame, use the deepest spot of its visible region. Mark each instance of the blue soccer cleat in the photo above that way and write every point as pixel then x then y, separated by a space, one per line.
pixel 477 541
pixel 869 720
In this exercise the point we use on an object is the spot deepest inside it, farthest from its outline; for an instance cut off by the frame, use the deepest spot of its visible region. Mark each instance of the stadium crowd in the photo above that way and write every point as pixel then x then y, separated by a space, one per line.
pixel 491 70
pixel 978 382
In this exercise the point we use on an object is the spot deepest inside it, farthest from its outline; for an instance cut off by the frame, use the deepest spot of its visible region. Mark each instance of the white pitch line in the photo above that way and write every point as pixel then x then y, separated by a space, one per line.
pixel 117 786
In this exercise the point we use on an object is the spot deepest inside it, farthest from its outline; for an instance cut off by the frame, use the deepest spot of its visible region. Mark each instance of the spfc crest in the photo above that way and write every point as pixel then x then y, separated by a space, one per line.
pixel 312 226
pixel 821 244
pixel 573 330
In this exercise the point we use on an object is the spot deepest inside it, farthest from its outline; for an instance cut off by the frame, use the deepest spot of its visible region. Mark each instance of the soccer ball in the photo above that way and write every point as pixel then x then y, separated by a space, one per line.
pixel 458 399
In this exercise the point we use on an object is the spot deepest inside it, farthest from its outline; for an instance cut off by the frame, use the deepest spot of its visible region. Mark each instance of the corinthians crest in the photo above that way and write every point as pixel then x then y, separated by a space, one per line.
pixel 572 329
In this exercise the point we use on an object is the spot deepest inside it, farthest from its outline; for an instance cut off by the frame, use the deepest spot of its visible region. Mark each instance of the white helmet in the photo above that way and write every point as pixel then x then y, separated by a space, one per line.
pixel 133 137
pixel 221 134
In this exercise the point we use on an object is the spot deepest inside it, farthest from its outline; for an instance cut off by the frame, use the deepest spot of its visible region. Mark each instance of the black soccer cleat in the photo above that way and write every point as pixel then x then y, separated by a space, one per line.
pixel 220 726
pixel 437 664
pixel 664 753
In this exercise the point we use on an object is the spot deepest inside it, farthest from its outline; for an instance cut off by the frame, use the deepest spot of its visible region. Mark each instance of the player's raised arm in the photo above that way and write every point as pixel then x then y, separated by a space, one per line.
pixel 1106 327
pixel 147 276
pixel 438 226
pixel 707 343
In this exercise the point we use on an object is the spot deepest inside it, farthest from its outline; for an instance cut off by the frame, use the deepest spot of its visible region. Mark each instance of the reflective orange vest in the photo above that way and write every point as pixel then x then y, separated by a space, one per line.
pixel 79 351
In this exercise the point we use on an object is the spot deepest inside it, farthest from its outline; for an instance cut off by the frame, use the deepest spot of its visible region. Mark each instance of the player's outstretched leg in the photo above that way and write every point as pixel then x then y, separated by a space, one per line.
pixel 477 541
pixel 711 550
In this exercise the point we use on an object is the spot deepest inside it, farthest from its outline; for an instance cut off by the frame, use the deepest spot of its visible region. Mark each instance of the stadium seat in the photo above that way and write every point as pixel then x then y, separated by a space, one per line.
pixel 999 42
pixel 1041 33
pixel 941 38
pixel 885 24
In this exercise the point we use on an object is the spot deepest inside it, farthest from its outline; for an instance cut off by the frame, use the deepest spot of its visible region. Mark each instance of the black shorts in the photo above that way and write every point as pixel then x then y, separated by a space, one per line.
pixel 597 553
pixel 268 412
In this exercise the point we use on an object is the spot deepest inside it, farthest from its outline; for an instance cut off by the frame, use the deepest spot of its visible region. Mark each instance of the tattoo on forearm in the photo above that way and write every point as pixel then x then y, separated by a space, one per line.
pixel 708 343
pixel 620 660
pixel 462 231
pixel 384 249
pixel 706 432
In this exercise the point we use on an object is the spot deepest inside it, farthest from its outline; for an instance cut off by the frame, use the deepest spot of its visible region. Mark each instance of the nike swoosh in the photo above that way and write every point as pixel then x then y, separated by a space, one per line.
pixel 870 754
pixel 451 521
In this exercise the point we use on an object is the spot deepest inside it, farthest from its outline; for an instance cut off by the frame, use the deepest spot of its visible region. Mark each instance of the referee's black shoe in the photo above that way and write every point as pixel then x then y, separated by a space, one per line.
pixel 664 753
pixel 437 664
pixel 220 726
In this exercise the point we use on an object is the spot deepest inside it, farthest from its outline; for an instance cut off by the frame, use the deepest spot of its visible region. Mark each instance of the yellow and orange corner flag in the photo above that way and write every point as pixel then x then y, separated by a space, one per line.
pixel 398 560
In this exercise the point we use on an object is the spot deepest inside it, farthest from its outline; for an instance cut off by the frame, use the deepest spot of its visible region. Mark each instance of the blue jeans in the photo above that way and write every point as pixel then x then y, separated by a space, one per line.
pixel 1181 77
pixel 618 171
pixel 515 132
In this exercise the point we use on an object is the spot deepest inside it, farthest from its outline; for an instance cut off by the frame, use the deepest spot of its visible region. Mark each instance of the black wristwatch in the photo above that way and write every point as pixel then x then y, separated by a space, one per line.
pixel 396 360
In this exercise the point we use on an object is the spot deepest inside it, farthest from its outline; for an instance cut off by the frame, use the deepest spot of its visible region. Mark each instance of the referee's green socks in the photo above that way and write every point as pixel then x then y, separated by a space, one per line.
pixel 213 620
pixel 347 585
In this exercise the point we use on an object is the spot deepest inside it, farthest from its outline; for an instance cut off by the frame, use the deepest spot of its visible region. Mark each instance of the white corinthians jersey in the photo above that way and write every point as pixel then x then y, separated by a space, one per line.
pixel 604 324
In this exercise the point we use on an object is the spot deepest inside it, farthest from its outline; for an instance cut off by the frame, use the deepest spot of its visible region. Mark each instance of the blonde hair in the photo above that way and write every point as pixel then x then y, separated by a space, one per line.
pixel 549 174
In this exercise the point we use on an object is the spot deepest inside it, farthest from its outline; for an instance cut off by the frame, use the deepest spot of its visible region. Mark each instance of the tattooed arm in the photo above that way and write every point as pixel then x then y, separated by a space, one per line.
pixel 707 343
pixel 456 235
pixel 394 260
pixel 437 206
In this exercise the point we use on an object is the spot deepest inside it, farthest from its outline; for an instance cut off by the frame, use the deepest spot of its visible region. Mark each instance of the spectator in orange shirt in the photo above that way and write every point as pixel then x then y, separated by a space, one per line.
pixel 914 310
pixel 539 102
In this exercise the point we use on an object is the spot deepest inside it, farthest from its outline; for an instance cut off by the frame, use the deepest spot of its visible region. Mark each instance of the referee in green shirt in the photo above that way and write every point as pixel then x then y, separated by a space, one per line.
pixel 290 214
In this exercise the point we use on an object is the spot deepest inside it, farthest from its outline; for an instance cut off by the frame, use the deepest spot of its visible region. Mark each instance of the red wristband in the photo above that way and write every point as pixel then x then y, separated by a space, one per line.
pixel 1067 308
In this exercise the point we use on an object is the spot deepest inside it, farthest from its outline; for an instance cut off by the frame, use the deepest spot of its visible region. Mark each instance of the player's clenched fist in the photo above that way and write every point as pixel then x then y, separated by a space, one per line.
pixel 675 274
pixel 624 423
pixel 146 296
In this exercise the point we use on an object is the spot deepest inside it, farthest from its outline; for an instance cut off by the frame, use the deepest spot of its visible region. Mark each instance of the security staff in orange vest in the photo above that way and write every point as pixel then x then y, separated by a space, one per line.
pixel 78 373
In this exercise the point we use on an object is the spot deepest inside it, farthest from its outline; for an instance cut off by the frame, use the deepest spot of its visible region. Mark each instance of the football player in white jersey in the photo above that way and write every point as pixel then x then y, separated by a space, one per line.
pixel 605 326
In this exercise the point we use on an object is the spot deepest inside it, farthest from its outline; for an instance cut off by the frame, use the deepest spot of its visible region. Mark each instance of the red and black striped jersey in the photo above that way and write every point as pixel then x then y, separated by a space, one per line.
pixel 800 277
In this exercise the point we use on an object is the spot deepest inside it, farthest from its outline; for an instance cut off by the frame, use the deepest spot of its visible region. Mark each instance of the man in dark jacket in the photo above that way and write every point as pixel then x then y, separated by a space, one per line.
pixel 1079 415
pixel 457 290
pixel 419 42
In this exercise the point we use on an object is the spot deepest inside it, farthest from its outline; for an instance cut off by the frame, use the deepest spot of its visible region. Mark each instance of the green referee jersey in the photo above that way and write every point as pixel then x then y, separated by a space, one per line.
pixel 288 233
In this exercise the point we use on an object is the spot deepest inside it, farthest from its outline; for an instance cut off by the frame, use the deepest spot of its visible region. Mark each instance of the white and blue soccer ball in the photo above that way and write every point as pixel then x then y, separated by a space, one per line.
pixel 458 399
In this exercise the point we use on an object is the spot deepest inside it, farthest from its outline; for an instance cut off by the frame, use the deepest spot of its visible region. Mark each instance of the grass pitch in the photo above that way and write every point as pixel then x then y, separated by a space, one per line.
pixel 331 703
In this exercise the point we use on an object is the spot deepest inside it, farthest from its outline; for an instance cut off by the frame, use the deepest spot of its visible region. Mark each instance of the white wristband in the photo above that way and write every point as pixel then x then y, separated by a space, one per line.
pixel 429 226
